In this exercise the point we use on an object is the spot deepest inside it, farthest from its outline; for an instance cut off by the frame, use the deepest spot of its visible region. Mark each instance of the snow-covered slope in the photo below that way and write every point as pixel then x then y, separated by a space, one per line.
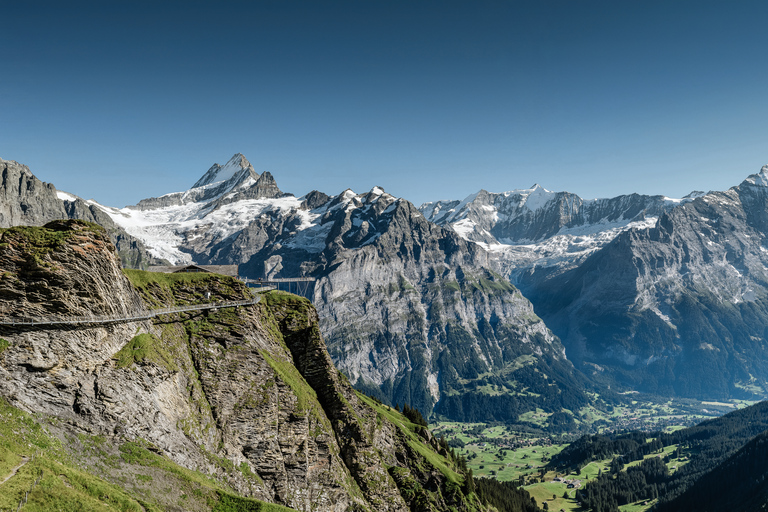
pixel 530 229
pixel 223 202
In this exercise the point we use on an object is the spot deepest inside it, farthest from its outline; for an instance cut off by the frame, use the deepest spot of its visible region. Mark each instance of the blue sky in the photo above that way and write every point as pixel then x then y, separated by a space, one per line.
pixel 118 101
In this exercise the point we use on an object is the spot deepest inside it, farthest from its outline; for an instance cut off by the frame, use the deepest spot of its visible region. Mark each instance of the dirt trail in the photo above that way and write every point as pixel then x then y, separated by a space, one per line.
pixel 15 470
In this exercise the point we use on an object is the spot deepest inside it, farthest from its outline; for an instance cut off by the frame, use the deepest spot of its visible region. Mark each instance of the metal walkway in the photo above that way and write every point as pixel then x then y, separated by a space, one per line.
pixel 131 317
pixel 299 284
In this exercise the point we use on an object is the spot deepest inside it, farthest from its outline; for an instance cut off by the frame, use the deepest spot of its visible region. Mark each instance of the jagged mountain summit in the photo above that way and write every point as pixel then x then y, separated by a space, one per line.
pixel 218 173
pixel 410 310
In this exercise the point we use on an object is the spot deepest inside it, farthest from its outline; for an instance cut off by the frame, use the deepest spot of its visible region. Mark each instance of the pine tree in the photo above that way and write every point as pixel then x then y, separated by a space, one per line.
pixel 469 483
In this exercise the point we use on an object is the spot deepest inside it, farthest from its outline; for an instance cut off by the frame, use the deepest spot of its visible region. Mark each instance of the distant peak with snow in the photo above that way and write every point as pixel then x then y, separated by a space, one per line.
pixel 760 179
pixel 218 173
pixel 537 197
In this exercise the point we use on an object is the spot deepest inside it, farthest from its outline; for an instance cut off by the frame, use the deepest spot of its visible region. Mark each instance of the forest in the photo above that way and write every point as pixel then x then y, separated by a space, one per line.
pixel 707 445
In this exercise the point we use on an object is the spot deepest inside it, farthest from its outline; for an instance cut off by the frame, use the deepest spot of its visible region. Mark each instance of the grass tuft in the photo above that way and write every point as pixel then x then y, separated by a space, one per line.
pixel 143 349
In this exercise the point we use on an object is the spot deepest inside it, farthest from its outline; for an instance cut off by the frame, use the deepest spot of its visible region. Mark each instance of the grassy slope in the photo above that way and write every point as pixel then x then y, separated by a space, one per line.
pixel 130 476
pixel 414 440
pixel 176 287
pixel 66 470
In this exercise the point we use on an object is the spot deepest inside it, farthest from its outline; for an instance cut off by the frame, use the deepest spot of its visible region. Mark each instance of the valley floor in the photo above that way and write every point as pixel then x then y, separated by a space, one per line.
pixel 509 453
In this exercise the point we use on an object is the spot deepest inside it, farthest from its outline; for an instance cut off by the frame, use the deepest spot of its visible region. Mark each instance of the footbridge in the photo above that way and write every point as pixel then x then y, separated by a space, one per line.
pixel 135 316
pixel 289 284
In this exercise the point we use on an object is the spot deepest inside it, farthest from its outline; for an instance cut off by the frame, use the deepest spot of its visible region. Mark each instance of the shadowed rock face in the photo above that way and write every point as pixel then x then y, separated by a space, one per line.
pixel 25 200
pixel 251 388
pixel 659 295
pixel 679 308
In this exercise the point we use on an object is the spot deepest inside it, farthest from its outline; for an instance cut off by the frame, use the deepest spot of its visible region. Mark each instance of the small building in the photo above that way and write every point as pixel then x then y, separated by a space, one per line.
pixel 227 270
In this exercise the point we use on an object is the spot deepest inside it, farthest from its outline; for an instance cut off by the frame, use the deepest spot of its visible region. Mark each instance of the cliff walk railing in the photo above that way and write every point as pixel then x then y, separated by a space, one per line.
pixel 123 317
pixel 297 285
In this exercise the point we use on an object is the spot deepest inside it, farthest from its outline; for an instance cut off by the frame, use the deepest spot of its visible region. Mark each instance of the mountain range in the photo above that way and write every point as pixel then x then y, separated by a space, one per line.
pixel 646 292
pixel 469 308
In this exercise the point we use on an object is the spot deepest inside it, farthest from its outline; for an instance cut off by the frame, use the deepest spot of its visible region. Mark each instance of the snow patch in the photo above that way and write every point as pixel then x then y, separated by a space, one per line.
pixel 390 208
pixel 464 227
pixel 760 179
pixel 65 196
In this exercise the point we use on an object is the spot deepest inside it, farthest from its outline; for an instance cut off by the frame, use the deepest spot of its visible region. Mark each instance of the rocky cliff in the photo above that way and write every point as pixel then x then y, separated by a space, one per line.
pixel 27 201
pixel 677 308
pixel 539 231
pixel 248 396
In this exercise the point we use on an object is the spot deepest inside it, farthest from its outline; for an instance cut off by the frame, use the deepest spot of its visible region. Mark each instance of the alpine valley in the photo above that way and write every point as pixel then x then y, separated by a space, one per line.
pixel 490 309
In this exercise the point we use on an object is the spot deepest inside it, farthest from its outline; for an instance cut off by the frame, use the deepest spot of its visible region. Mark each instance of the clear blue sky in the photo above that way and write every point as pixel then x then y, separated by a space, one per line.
pixel 118 101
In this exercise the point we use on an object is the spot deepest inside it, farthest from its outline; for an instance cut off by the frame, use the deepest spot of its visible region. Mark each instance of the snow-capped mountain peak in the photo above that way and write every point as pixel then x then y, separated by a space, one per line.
pixel 760 179
pixel 218 173
pixel 537 197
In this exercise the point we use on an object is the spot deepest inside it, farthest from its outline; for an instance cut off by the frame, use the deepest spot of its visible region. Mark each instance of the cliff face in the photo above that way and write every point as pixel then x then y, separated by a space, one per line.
pixel 24 199
pixel 534 215
pixel 27 201
pixel 535 232
pixel 409 310
pixel 247 395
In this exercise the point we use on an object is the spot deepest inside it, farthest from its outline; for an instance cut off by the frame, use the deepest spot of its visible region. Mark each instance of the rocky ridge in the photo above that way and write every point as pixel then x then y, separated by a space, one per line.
pixel 535 230
pixel 27 201
pixel 248 395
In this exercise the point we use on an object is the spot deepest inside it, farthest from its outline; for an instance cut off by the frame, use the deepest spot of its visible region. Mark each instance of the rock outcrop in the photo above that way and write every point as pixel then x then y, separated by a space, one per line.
pixel 24 199
pixel 247 395
pixel 27 201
